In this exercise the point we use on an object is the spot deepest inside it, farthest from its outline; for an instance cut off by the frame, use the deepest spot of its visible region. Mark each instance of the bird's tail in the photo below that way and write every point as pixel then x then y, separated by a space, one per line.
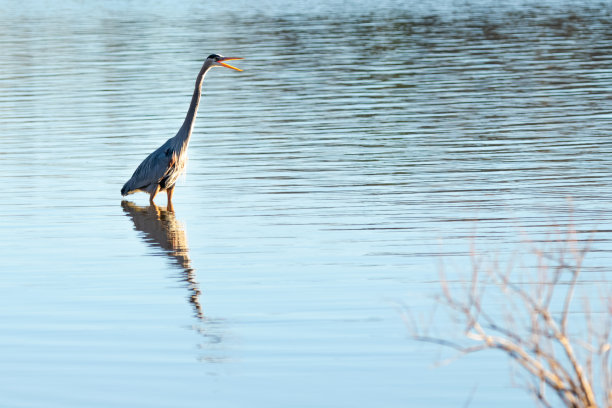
pixel 125 190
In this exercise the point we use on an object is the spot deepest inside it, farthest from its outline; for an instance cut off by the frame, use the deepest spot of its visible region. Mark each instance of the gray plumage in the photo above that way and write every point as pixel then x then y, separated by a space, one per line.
pixel 162 168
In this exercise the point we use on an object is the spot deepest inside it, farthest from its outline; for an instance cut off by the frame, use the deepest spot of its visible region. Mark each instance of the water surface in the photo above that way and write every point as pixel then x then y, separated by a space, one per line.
pixel 364 143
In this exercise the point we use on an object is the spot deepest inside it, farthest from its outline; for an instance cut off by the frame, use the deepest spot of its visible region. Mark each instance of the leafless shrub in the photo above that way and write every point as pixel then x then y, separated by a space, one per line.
pixel 532 316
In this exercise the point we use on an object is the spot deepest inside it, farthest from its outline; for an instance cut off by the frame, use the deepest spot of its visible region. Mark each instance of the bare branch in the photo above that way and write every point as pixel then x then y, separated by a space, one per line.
pixel 534 336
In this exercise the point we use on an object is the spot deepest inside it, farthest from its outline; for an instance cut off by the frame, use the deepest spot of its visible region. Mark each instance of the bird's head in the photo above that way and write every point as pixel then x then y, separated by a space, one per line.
pixel 219 61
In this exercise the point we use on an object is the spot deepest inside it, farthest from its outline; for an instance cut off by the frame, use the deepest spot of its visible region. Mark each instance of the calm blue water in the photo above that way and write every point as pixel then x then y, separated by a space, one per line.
pixel 364 143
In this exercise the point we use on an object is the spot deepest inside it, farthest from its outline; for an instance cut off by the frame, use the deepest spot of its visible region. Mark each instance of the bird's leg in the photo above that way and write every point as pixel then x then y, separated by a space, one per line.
pixel 169 192
pixel 153 194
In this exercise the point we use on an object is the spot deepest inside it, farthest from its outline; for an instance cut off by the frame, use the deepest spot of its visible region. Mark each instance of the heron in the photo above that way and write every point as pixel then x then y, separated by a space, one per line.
pixel 162 168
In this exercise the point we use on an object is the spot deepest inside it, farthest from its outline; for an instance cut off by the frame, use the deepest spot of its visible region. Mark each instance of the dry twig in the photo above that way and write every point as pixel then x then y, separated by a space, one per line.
pixel 538 336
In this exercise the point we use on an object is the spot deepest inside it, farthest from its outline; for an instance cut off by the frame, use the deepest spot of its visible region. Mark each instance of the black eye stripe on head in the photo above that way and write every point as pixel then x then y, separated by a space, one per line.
pixel 214 56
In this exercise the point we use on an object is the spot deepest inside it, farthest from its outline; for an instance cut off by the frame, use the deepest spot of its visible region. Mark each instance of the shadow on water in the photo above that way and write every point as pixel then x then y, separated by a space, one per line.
pixel 162 230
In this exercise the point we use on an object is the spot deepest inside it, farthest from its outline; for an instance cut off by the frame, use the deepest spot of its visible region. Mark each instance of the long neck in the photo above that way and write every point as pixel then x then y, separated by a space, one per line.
pixel 185 131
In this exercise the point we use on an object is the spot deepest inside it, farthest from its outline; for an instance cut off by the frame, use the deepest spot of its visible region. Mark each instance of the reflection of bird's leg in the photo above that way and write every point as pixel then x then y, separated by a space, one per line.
pixel 156 209
pixel 153 194
pixel 170 191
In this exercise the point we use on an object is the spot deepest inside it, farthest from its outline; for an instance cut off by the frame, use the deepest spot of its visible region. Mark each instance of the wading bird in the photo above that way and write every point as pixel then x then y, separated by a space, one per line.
pixel 161 169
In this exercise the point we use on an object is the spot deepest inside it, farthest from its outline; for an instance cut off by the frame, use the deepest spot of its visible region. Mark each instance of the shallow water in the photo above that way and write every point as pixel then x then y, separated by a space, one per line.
pixel 364 143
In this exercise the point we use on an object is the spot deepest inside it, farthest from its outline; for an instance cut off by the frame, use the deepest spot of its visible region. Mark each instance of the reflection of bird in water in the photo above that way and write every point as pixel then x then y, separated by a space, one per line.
pixel 163 230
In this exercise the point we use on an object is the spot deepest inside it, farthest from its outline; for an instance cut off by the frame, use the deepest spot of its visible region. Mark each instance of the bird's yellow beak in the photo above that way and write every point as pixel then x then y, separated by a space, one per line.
pixel 222 63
